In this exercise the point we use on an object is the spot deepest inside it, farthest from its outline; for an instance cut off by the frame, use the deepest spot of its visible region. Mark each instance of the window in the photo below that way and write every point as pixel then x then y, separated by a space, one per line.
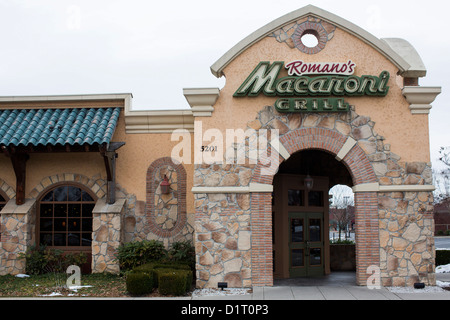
pixel 65 217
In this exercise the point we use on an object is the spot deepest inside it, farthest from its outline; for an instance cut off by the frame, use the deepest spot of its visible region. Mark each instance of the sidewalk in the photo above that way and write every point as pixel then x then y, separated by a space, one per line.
pixel 342 293
pixel 340 286
pixel 340 290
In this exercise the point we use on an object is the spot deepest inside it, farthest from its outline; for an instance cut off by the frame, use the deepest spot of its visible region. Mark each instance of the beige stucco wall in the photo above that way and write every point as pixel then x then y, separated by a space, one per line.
pixel 139 152
pixel 134 159
pixel 42 165
pixel 406 133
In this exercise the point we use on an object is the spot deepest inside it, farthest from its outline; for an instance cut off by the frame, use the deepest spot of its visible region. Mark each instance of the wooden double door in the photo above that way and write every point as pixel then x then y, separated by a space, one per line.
pixel 300 227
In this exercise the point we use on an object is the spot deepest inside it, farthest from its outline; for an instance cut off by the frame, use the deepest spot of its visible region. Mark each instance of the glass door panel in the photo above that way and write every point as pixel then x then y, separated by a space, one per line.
pixel 315 257
pixel 315 232
pixel 298 259
pixel 297 245
pixel 297 230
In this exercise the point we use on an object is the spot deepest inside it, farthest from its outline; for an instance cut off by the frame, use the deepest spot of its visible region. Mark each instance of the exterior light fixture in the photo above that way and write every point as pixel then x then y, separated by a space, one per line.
pixel 165 185
pixel 309 182
pixel 222 285
pixel 419 285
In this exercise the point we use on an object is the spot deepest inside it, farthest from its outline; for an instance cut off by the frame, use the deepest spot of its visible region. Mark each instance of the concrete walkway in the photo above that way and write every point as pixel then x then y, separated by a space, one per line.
pixel 341 293
pixel 337 286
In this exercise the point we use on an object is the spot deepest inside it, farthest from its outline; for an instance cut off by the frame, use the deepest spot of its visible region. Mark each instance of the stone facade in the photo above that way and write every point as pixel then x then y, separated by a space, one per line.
pixel 107 235
pixel 161 217
pixel 292 33
pixel 223 239
pixel 394 230
pixel 407 252
pixel 16 223
pixel 127 220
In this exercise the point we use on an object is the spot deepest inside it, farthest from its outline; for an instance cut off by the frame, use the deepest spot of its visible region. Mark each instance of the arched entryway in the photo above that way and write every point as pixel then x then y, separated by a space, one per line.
pixel 350 166
pixel 300 213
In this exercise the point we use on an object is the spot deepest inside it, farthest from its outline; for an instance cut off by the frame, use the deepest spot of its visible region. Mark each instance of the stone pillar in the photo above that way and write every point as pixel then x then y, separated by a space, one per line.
pixel 407 250
pixel 17 231
pixel 223 240
pixel 106 235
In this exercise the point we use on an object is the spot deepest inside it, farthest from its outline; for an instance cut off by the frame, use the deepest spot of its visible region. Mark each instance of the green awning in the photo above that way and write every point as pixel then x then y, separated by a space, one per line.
pixel 57 127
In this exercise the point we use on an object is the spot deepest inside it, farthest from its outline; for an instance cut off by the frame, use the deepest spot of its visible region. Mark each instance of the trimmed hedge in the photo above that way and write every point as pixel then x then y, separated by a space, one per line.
pixel 140 283
pixel 176 278
pixel 442 257
pixel 174 282
pixel 162 265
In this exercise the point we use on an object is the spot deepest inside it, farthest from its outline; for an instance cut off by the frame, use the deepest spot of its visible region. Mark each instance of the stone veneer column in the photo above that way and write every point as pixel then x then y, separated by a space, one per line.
pixel 223 240
pixel 16 235
pixel 106 235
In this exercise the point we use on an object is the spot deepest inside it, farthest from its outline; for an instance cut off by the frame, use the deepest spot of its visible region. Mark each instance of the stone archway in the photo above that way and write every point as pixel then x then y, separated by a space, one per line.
pixel 393 202
pixel 355 159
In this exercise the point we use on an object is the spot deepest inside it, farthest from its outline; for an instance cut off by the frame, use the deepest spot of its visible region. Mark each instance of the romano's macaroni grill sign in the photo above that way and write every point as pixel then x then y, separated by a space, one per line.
pixel 312 87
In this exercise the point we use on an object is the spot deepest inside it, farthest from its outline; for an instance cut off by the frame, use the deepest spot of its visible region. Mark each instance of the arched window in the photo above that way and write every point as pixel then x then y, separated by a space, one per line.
pixel 65 218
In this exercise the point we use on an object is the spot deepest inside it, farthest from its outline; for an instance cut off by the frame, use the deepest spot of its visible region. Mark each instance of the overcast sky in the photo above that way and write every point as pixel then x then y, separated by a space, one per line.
pixel 154 49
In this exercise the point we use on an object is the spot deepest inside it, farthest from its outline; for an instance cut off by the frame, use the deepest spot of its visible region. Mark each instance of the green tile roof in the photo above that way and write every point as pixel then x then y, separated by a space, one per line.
pixel 43 127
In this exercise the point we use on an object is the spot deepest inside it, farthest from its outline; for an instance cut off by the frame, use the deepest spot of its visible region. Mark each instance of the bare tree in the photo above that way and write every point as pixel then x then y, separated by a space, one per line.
pixel 441 177
pixel 342 208
pixel 445 155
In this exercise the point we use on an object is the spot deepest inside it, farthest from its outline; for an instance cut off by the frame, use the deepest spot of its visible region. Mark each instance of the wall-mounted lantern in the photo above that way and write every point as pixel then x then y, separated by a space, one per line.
pixel 309 182
pixel 165 185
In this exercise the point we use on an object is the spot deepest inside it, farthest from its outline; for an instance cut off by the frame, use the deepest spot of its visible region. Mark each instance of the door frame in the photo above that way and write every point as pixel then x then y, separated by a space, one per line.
pixel 280 211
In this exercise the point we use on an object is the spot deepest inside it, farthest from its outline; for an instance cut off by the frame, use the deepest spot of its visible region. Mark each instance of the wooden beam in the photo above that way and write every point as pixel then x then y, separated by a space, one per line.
pixel 109 156
pixel 19 161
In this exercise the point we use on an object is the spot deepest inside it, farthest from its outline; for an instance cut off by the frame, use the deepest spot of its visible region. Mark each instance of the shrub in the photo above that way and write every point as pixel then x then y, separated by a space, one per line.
pixel 184 252
pixel 139 283
pixel 158 268
pixel 35 260
pixel 136 253
pixel 442 257
pixel 40 260
pixel 77 259
pixel 148 267
pixel 342 241
pixel 173 282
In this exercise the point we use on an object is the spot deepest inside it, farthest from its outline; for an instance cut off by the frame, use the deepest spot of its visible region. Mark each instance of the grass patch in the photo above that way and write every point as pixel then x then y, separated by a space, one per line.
pixel 51 284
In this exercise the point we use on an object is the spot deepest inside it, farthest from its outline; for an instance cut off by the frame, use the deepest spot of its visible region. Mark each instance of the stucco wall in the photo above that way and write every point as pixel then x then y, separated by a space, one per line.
pixel 406 133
